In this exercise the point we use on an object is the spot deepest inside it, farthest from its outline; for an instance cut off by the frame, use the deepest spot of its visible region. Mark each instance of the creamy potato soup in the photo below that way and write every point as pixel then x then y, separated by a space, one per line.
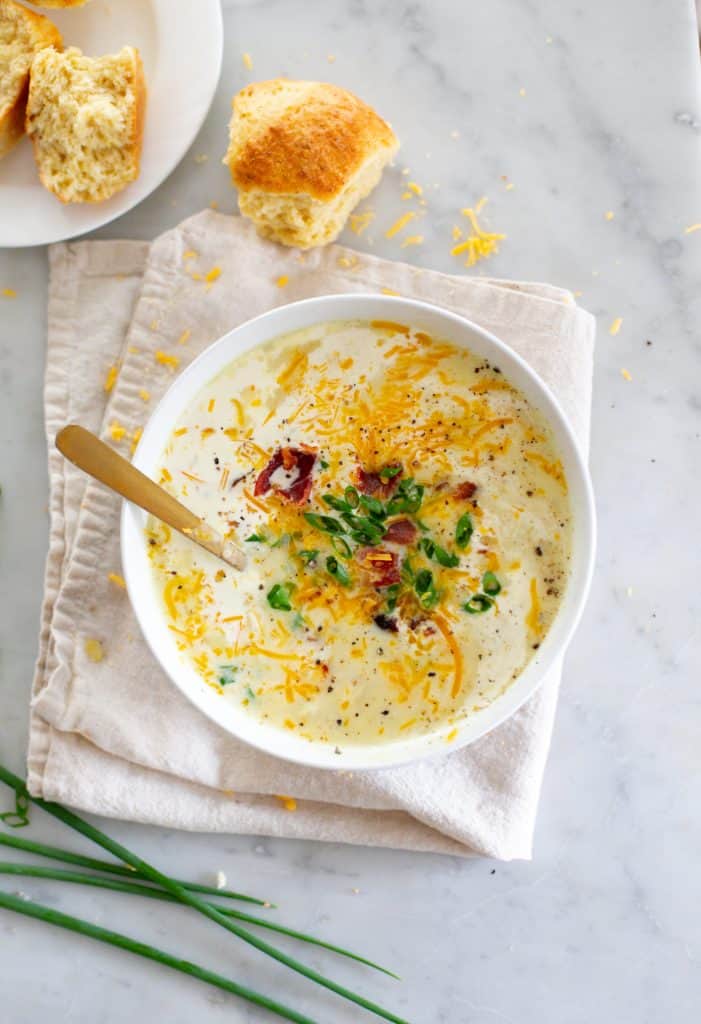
pixel 406 523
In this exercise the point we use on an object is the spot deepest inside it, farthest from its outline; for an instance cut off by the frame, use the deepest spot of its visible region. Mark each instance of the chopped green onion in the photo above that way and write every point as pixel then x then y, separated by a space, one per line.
pixel 256 538
pixel 282 539
pixel 490 584
pixel 478 604
pixel 308 554
pixel 392 593
pixel 227 674
pixel 408 497
pixel 438 554
pixel 279 596
pixel 323 463
pixel 336 503
pixel 388 472
pixel 373 506
pixel 464 530
pixel 327 524
pixel 352 497
pixel 338 571
pixel 19 818
pixel 407 571
pixel 363 530
pixel 426 589
pixel 250 694
pixel 341 547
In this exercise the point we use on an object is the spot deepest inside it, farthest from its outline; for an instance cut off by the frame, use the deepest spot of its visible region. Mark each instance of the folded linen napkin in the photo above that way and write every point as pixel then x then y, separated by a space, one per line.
pixel 115 736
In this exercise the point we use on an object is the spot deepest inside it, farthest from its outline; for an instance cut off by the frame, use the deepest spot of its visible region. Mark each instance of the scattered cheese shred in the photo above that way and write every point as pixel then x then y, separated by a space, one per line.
pixel 522 91
pixel 609 215
pixel 616 325
pixel 413 187
pixel 288 802
pixel 359 221
pixel 210 404
pixel 400 224
pixel 451 735
pixel 533 616
pixel 480 244
pixel 388 291
pixel 9 293
pixel 626 374
pixel 118 580
pixel 135 438
pixel 412 240
pixel 282 281
pixel 117 431
pixel 185 336
pixel 247 61
pixel 189 254
pixel 456 233
pixel 111 377
pixel 509 186
pixel 144 395
pixel 94 649
pixel 687 231
pixel 212 275
pixel 167 360
pixel 347 262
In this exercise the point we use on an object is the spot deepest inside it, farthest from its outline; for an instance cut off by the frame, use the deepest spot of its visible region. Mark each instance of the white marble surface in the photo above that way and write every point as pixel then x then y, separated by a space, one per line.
pixel 604 924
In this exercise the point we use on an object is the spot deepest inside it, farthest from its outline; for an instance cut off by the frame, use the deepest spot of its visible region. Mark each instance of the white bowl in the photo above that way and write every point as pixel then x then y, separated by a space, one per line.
pixel 147 602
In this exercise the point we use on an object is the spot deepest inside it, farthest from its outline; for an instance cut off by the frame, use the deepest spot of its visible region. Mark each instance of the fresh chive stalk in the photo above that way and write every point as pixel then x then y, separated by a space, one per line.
pixel 191 899
pixel 67 857
pixel 75 924
pixel 137 889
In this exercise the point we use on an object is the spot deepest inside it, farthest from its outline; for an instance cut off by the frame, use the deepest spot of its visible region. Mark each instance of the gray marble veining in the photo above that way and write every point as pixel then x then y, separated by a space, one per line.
pixel 585 108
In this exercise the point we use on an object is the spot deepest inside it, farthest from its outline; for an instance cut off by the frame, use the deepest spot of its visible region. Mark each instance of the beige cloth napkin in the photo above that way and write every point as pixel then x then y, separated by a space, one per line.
pixel 117 738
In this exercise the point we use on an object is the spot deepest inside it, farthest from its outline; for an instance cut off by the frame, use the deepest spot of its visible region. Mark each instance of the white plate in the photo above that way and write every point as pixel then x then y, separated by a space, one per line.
pixel 180 42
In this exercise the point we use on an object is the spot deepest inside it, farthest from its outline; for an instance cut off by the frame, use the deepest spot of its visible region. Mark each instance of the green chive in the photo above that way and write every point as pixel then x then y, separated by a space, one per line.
pixel 478 604
pixel 184 896
pixel 490 584
pixel 438 554
pixel 388 472
pixel 19 818
pixel 464 530
pixel 93 931
pixel 373 506
pixel 284 538
pixel 250 694
pixel 308 554
pixel 341 547
pixel 256 538
pixel 227 674
pixel 327 524
pixel 352 497
pixel 392 594
pixel 338 571
pixel 426 589
pixel 66 857
pixel 136 889
pixel 364 530
pixel 279 596
pixel 408 497
pixel 323 463
pixel 336 503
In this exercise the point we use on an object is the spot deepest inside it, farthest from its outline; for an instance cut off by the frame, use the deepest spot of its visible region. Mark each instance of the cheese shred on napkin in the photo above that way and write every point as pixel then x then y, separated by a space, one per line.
pixel 111 734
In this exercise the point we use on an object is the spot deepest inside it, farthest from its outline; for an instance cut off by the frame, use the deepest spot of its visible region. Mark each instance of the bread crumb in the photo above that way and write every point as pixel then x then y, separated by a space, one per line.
pixel 135 438
pixel 247 61
pixel 111 377
pixel 692 228
pixel 355 891
pixel 629 591
pixel 9 293
pixel 221 880
pixel 405 171
pixel 117 431
pixel 214 205
pixel 455 134
pixel 400 224
pixel 118 580
pixel 609 215
pixel 201 158
pixel 288 802
pixel 577 294
pixel 154 325
pixel 331 58
pixel 412 240
pixel 144 395
pixel 548 40
pixel 165 359
pixel 359 221
pixel 185 336
pixel 509 186
pixel 616 325
pixel 94 650
pixel 522 91
pixel 388 291
pixel 626 374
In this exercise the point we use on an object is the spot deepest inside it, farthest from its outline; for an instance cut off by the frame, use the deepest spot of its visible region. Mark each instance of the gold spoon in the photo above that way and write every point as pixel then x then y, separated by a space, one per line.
pixel 94 457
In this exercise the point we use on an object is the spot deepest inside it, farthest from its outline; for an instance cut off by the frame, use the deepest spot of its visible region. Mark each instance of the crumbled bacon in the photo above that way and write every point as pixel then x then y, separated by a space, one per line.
pixel 303 460
pixel 382 565
pixel 465 490
pixel 386 622
pixel 401 531
pixel 372 483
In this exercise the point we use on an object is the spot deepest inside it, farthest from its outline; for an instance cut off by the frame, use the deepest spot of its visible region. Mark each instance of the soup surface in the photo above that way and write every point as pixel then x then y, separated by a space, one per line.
pixel 406 523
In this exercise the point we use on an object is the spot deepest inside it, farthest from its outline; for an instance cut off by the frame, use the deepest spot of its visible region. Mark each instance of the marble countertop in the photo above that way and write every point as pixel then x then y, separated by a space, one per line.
pixel 584 109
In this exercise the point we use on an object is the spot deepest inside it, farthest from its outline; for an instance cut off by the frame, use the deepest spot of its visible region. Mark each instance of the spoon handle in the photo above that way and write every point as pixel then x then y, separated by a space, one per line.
pixel 93 456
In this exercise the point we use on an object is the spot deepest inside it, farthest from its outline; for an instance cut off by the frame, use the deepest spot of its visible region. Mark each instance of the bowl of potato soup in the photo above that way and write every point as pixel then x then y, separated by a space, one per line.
pixel 417 522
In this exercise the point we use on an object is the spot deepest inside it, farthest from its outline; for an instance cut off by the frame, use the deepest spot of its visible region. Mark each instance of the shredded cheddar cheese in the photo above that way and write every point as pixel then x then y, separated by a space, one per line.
pixel 118 580
pixel 616 325
pixel 9 293
pixel 358 222
pixel 94 649
pixel 400 224
pixel 166 359
pixel 117 431
pixel 185 336
pixel 247 61
pixel 144 395
pixel 282 281
pixel 111 378
pixel 288 802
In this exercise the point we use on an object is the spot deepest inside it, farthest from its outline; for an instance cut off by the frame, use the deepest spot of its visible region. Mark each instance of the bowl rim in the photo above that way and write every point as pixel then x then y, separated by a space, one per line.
pixel 270 739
